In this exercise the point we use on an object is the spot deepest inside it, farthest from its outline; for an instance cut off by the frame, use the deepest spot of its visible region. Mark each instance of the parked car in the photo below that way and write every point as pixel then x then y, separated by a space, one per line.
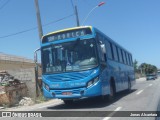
pixel 158 73
pixel 151 77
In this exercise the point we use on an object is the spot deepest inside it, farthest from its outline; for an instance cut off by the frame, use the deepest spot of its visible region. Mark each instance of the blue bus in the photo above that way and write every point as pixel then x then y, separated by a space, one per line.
pixel 82 62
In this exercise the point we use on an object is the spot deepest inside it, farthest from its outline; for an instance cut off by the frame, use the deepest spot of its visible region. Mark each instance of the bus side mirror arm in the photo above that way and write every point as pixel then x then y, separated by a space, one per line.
pixel 35 56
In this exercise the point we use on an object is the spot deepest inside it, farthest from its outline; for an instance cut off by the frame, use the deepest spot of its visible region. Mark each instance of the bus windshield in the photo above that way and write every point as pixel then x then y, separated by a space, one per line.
pixel 69 56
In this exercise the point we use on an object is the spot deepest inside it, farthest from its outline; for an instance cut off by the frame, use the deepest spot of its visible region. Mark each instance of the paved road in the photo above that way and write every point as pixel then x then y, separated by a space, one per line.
pixel 145 96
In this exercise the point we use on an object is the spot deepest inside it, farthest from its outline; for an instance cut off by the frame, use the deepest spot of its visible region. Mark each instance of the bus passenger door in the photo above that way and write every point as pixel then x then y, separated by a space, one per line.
pixel 101 47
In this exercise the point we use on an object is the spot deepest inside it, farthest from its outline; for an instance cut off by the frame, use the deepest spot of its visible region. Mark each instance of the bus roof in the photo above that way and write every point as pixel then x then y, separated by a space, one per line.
pixel 91 27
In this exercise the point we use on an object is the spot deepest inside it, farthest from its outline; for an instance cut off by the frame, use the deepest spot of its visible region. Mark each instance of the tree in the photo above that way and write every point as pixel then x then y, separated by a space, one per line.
pixel 135 63
pixel 148 68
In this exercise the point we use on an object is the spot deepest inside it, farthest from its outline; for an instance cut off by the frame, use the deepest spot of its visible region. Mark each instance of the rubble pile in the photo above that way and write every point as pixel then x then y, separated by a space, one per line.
pixel 11 90
pixel 7 80
pixel 26 101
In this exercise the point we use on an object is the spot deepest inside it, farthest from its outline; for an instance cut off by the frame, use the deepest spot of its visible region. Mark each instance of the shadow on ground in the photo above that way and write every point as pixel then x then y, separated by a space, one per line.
pixel 96 102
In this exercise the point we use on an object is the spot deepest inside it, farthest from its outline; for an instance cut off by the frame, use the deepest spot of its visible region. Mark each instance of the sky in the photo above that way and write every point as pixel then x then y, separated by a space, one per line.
pixel 134 24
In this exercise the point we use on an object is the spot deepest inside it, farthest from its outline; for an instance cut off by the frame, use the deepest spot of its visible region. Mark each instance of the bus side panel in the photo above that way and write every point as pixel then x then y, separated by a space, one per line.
pixel 121 73
pixel 104 77
pixel 114 74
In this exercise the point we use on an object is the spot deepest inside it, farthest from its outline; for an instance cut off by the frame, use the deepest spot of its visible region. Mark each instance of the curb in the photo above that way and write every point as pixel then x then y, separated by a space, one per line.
pixel 32 107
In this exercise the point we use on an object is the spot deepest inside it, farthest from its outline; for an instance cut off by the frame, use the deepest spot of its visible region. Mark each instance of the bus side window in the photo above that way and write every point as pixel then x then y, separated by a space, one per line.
pixel 120 55
pixel 130 56
pixel 109 51
pixel 127 62
pixel 115 52
pixel 124 57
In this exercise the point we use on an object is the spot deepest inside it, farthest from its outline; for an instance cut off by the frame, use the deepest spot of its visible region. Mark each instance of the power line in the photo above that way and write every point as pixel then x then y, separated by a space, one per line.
pixel 18 32
pixel 58 20
pixel 4 4
pixel 72 4
pixel 27 30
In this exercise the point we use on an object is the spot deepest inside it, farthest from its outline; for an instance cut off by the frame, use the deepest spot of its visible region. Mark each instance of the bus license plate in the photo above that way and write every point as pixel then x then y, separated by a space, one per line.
pixel 67 93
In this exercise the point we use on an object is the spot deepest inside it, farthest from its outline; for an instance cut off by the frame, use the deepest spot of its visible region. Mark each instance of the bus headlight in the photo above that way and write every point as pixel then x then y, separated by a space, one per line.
pixel 89 83
pixel 46 86
pixel 43 84
pixel 93 81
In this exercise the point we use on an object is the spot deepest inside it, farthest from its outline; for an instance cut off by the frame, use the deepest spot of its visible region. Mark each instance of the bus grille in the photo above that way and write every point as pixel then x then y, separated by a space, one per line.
pixel 68 76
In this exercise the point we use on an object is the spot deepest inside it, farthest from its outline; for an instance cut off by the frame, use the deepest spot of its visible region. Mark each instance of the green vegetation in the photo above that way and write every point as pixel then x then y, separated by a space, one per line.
pixel 148 68
pixel 41 99
pixel 144 68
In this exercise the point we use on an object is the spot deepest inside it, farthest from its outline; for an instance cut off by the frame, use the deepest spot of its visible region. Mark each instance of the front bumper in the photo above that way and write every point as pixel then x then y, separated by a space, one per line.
pixel 94 90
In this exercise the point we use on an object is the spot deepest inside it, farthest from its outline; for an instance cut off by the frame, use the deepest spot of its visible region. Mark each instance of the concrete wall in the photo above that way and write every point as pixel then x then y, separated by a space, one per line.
pixel 26 75
pixel 7 65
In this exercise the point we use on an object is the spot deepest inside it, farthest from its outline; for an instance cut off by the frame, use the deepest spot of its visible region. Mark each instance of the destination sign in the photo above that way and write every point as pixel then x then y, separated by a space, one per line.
pixel 66 34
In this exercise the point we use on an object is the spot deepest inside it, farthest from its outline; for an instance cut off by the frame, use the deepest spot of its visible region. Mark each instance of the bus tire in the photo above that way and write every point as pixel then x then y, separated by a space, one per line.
pixel 111 96
pixel 68 102
pixel 129 85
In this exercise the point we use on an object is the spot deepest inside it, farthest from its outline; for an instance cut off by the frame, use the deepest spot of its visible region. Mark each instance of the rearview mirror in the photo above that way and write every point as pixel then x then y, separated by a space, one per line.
pixel 103 48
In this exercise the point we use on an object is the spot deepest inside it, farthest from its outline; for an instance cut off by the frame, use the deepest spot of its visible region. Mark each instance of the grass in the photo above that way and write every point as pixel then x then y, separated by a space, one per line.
pixel 41 99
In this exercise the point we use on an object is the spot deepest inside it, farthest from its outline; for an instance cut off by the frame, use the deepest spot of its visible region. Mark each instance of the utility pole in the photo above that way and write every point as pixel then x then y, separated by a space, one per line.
pixel 38 19
pixel 76 13
pixel 38 87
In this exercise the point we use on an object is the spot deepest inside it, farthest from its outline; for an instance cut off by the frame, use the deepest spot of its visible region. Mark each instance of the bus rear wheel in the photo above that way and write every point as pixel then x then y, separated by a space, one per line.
pixel 68 102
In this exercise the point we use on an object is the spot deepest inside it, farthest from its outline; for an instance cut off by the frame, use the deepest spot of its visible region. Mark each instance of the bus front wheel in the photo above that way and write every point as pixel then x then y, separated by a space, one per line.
pixel 112 92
